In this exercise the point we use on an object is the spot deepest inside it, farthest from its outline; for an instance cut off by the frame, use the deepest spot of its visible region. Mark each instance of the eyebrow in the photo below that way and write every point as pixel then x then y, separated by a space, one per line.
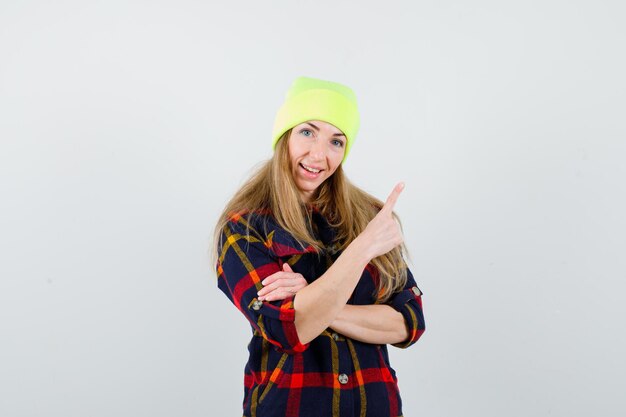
pixel 317 128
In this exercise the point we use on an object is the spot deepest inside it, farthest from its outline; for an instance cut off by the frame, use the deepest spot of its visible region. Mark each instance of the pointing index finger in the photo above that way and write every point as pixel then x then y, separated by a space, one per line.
pixel 393 197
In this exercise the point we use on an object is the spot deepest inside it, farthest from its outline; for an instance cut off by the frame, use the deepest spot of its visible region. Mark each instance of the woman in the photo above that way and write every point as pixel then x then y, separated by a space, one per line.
pixel 315 264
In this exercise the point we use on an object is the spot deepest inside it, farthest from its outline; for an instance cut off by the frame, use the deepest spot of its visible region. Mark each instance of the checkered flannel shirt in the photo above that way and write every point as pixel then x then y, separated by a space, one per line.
pixel 332 375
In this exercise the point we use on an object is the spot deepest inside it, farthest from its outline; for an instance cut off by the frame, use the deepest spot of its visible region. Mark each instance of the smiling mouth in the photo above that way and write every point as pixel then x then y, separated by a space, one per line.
pixel 311 170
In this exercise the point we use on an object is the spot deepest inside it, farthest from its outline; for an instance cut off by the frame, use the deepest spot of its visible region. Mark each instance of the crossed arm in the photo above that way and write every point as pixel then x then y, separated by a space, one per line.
pixel 323 302
pixel 374 323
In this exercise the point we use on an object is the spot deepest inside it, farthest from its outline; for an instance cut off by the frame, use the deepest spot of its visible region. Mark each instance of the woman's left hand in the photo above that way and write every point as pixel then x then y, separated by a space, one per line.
pixel 281 285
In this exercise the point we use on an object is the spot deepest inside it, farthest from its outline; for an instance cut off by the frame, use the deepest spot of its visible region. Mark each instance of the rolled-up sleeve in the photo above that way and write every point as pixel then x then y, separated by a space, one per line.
pixel 409 303
pixel 244 261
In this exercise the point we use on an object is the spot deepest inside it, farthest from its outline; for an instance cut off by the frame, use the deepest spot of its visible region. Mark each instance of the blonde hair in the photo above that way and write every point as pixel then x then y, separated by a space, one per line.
pixel 346 207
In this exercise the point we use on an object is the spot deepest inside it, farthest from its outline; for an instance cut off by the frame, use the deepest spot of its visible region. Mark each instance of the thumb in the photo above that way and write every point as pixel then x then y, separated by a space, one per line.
pixel 287 268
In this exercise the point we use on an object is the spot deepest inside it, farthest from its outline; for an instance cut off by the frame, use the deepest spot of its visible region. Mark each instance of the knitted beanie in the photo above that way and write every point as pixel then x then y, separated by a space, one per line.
pixel 314 99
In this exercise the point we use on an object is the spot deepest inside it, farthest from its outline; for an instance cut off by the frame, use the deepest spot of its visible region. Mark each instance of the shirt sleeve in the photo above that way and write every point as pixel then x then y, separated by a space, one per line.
pixel 244 261
pixel 409 303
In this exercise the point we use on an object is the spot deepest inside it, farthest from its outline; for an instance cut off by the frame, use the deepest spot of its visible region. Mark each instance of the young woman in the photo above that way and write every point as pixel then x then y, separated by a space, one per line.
pixel 316 266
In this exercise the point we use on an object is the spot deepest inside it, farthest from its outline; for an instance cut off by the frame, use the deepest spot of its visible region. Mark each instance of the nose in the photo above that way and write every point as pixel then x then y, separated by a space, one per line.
pixel 317 151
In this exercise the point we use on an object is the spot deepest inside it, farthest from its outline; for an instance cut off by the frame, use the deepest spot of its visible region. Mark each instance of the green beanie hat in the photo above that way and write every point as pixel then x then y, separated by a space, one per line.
pixel 315 99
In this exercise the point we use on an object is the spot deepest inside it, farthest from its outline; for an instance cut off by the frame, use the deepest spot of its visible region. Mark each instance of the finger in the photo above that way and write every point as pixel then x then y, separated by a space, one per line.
pixel 298 283
pixel 280 283
pixel 271 278
pixel 393 197
pixel 276 275
pixel 279 294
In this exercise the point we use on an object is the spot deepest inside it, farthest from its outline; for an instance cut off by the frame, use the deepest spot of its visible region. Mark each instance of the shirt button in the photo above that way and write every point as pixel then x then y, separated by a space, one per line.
pixel 416 291
pixel 256 305
pixel 343 379
pixel 335 336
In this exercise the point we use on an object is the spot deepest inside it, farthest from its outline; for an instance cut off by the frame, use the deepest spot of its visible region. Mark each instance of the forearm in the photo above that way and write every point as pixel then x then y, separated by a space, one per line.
pixel 319 303
pixel 374 323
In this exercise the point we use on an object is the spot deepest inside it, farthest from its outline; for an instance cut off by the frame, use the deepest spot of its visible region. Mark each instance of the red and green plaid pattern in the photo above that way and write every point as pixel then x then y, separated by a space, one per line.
pixel 330 376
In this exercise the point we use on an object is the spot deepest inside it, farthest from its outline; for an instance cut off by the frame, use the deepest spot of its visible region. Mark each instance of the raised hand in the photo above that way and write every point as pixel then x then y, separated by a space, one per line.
pixel 383 233
pixel 281 285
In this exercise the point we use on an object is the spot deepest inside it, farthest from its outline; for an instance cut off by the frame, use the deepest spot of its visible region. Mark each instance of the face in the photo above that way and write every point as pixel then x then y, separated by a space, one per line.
pixel 316 149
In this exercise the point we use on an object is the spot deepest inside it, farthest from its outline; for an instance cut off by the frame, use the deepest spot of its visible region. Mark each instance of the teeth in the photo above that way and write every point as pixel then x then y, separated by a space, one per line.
pixel 310 169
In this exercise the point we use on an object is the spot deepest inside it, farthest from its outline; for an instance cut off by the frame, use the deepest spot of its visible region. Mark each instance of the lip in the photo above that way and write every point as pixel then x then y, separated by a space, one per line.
pixel 313 166
pixel 307 174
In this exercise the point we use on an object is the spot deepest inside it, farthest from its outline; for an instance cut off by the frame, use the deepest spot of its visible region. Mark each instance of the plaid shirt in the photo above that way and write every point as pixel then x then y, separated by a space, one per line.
pixel 332 375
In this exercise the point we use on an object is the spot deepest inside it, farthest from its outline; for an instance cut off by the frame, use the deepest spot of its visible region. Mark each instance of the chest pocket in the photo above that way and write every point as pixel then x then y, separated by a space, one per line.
pixel 310 265
pixel 286 249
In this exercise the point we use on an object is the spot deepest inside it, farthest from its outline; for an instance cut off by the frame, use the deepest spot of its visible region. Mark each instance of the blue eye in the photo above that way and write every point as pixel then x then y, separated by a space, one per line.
pixel 337 142
pixel 305 130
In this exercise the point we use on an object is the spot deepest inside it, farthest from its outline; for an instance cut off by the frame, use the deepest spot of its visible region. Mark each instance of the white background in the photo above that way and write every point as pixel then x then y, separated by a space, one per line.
pixel 126 125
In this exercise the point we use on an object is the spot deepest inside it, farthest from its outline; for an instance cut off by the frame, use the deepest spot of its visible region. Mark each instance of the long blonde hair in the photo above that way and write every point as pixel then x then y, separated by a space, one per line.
pixel 346 207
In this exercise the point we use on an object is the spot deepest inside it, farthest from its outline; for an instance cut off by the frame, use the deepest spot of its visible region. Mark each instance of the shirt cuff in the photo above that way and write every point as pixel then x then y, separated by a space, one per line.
pixel 277 323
